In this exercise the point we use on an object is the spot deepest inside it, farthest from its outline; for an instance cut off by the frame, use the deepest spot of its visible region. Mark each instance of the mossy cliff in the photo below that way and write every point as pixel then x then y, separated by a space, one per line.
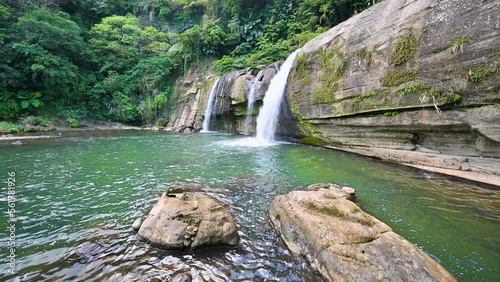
pixel 406 76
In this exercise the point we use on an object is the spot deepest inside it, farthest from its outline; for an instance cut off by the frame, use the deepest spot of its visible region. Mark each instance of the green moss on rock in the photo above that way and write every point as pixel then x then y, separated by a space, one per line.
pixel 313 141
pixel 397 78
pixel 479 74
pixel 301 69
pixel 428 94
pixel 494 54
pixel 335 212
pixel 405 49
pixel 333 64
pixel 412 88
pixel 457 44
pixel 365 55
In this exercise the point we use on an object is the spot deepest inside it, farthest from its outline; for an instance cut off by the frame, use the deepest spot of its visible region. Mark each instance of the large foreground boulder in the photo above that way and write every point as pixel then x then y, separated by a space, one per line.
pixel 187 219
pixel 343 243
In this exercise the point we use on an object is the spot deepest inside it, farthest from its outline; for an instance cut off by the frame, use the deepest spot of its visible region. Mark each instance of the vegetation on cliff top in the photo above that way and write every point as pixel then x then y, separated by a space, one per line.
pixel 118 60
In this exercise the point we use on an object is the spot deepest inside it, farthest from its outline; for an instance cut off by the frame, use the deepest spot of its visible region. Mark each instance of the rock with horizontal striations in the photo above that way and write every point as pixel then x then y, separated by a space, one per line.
pixel 186 219
pixel 365 110
pixel 343 243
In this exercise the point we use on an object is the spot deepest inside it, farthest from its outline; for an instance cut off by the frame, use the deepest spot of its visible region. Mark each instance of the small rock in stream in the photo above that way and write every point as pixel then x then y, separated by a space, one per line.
pixel 137 224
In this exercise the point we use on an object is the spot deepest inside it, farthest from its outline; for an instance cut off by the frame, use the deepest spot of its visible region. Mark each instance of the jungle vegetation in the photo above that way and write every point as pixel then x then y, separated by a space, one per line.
pixel 118 59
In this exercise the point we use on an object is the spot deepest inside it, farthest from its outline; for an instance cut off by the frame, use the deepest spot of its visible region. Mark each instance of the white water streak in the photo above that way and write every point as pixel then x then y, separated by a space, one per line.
pixel 268 114
pixel 252 96
pixel 210 106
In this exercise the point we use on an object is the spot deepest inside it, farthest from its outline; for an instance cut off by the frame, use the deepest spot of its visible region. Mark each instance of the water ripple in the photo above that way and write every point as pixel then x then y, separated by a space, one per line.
pixel 79 195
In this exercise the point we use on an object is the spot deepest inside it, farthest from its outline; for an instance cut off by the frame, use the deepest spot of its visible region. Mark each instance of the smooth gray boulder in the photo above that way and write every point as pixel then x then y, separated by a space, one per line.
pixel 137 224
pixel 187 219
pixel 343 243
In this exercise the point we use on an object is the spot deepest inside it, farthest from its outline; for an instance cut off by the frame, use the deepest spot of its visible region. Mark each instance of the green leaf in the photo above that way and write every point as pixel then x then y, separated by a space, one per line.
pixel 25 104
pixel 35 102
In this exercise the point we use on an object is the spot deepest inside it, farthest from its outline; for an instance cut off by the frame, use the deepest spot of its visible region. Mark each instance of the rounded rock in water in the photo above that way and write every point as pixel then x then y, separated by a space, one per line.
pixel 137 224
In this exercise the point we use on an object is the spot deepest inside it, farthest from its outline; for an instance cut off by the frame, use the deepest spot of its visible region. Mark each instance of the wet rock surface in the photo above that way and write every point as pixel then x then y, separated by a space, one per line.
pixel 187 218
pixel 343 243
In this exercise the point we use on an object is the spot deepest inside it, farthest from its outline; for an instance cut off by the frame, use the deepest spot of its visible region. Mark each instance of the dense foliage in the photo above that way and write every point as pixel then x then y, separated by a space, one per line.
pixel 118 60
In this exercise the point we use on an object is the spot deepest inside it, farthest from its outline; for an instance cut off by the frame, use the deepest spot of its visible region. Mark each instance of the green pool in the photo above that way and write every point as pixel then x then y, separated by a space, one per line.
pixel 77 196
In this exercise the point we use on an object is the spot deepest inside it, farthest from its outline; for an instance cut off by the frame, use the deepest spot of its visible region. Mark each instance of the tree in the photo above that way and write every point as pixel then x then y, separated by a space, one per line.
pixel 135 66
pixel 41 61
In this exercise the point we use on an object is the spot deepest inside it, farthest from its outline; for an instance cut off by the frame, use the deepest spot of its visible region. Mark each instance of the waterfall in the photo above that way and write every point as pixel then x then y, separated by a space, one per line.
pixel 210 106
pixel 252 96
pixel 268 114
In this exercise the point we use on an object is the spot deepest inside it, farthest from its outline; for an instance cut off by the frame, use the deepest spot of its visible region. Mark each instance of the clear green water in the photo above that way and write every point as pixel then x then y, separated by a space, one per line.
pixel 78 196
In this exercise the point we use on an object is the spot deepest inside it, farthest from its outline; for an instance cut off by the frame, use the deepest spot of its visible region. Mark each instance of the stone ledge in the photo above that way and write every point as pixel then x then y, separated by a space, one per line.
pixel 476 169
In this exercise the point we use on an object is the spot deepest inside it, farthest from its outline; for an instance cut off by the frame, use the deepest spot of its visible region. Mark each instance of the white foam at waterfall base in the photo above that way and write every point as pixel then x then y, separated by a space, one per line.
pixel 210 107
pixel 248 142
pixel 268 114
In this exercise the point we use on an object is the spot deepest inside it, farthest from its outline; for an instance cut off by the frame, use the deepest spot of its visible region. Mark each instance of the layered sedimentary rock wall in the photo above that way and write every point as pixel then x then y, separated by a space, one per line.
pixel 414 82
pixel 406 76
pixel 192 96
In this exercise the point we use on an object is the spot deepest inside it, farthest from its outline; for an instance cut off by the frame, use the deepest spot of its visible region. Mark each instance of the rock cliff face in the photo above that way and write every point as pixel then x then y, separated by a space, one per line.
pixel 231 99
pixel 192 96
pixel 230 108
pixel 403 76
pixel 409 81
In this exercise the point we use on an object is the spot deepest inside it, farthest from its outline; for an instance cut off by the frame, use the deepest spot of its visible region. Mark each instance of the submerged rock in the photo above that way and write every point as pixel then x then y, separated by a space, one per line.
pixel 187 219
pixel 343 243
pixel 18 142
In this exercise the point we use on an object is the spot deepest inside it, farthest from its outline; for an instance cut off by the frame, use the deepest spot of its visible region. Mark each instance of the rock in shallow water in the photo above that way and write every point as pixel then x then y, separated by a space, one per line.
pixel 137 224
pixel 343 243
pixel 188 220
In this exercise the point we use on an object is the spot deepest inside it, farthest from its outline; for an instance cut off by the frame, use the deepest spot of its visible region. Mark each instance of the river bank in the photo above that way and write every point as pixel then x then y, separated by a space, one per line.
pixel 482 170
pixel 37 124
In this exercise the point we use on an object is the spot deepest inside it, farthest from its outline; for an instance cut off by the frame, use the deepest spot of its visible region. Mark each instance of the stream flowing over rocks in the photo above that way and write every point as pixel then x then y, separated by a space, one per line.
pixel 343 243
pixel 187 218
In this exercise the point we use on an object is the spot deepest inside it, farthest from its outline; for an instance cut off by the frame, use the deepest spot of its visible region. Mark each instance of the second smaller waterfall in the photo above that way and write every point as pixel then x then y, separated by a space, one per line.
pixel 252 96
pixel 210 106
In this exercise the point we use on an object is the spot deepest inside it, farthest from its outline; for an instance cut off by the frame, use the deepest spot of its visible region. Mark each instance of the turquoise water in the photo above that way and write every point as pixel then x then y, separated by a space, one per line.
pixel 77 197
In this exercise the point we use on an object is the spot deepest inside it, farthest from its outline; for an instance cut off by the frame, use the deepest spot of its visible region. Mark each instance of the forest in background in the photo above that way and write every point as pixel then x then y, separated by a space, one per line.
pixel 118 60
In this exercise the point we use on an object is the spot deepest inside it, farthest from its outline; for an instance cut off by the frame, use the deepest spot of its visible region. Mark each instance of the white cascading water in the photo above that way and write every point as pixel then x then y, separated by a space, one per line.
pixel 252 96
pixel 268 114
pixel 210 106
